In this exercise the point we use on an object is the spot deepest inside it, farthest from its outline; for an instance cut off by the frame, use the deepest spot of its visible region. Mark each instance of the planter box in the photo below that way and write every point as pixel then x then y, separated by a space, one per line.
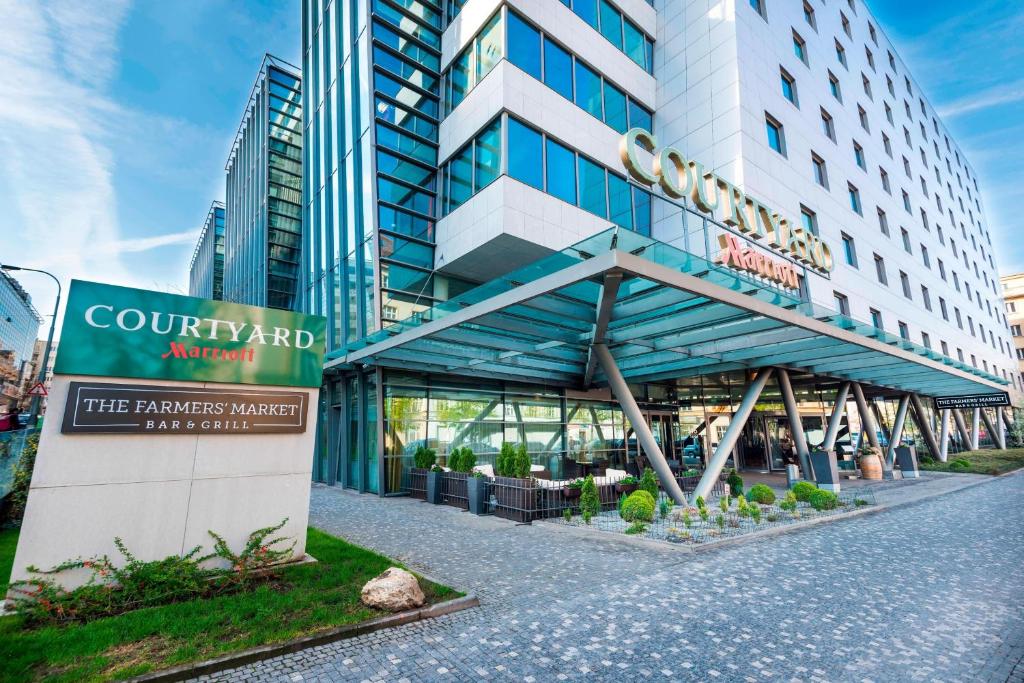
pixel 517 498
pixel 453 489
pixel 478 492
pixel 826 472
pixel 418 483
pixel 435 485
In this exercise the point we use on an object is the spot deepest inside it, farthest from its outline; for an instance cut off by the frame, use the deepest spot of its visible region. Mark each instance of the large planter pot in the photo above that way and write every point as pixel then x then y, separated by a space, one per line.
pixel 435 487
pixel 478 491
pixel 418 482
pixel 516 498
pixel 870 465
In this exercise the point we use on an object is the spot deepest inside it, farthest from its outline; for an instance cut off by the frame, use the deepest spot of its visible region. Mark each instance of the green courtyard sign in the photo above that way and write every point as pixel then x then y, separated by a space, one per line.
pixel 113 331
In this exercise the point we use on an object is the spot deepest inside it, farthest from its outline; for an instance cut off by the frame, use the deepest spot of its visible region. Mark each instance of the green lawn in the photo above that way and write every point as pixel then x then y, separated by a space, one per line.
pixel 8 543
pixel 982 462
pixel 305 600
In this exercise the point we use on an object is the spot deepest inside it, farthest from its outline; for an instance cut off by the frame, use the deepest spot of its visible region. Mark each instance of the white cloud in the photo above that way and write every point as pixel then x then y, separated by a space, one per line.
pixel 993 97
pixel 56 60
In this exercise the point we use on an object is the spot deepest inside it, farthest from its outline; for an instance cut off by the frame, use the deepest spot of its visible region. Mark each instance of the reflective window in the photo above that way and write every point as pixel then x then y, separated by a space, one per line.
pixel 460 184
pixel 592 187
pixel 588 89
pixel 615 108
pixel 621 209
pixel 611 23
pixel 524 45
pixel 557 69
pixel 639 117
pixel 488 155
pixel 587 10
pixel 560 174
pixel 525 154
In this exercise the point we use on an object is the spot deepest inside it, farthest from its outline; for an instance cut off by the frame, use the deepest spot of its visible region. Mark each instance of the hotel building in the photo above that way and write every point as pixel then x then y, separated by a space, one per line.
pixel 19 326
pixel 263 226
pixel 733 231
pixel 206 271
pixel 1013 294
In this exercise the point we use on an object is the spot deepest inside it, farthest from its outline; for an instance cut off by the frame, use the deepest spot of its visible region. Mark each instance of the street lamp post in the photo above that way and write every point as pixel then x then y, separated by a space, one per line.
pixel 34 415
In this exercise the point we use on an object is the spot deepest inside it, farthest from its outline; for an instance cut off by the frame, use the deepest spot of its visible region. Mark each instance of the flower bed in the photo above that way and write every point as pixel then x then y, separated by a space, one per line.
pixel 686 526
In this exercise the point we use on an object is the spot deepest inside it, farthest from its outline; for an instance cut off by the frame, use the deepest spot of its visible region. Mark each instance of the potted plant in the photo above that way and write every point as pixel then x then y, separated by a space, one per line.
pixel 514 487
pixel 627 484
pixel 423 459
pixel 869 461
pixel 461 462
pixel 435 484
pixel 478 490
pixel 573 489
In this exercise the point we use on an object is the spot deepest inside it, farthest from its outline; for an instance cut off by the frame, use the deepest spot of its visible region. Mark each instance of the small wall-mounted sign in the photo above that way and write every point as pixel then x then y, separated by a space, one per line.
pixel 94 407
pixel 973 401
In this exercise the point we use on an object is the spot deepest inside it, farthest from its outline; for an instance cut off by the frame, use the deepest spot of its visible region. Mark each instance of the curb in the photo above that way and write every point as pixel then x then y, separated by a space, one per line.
pixel 243 657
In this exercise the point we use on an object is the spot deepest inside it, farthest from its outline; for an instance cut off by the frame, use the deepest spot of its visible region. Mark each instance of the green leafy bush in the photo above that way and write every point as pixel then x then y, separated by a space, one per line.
pixel 701 503
pixel 636 528
pixel 649 483
pixel 522 462
pixel 113 590
pixel 735 482
pixel 687 521
pixel 664 507
pixel 14 510
pixel 803 489
pixel 504 463
pixel 720 521
pixel 622 501
pixel 760 493
pixel 821 499
pixel 772 517
pixel 703 512
pixel 789 503
pixel 567 514
pixel 638 507
pixel 628 480
pixel 960 464
pixel 424 458
pixel 859 502
pixel 755 512
pixel 461 459
pixel 723 503
pixel 590 503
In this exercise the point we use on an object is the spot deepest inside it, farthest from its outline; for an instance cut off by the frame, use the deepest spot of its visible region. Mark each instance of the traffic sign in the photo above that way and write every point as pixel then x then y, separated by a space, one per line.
pixel 37 390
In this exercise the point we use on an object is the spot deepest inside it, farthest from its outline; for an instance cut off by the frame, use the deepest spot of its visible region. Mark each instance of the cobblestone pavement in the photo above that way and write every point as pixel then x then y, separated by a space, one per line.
pixel 933 591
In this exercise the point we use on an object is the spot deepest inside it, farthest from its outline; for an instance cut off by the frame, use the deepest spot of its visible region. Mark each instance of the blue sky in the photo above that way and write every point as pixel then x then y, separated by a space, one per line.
pixel 117 120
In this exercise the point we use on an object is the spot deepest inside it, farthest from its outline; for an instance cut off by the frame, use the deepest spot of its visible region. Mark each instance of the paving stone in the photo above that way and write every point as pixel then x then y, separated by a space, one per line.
pixel 928 592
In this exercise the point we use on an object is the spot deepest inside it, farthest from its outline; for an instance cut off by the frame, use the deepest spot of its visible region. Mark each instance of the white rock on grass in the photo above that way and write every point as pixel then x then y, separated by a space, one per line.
pixel 394 590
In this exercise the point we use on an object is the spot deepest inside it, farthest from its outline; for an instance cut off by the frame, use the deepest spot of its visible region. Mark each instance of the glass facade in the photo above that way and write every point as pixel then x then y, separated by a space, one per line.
pixel 206 273
pixel 19 327
pixel 263 226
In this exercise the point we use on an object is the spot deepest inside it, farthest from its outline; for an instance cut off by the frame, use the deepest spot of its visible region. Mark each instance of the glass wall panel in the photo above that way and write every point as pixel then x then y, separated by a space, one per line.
pixel 611 23
pixel 639 117
pixel 560 174
pixel 406 251
pixel 619 204
pixel 489 47
pixel 352 479
pixel 615 108
pixel 394 276
pixel 588 89
pixel 524 45
pixel 634 44
pixel 642 211
pixel 525 154
pixel 558 69
pixel 488 155
pixel 372 462
pixel 593 193
pixel 460 184
pixel 405 197
pixel 405 429
pixel 404 223
pixel 587 10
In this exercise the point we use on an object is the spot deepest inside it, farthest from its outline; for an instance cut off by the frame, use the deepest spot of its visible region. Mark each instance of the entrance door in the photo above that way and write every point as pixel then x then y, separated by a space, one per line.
pixel 665 428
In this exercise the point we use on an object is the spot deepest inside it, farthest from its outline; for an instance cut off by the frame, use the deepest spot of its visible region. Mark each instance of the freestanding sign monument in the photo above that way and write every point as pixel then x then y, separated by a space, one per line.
pixel 209 425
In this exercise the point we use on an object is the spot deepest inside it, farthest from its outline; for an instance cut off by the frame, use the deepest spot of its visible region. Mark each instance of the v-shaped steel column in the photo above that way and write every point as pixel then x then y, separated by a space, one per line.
pixel 795 424
pixel 867 422
pixel 732 434
pixel 837 417
pixel 609 292
pixel 923 425
pixel 897 430
pixel 961 427
pixel 995 429
pixel 636 418
pixel 975 427
pixel 943 435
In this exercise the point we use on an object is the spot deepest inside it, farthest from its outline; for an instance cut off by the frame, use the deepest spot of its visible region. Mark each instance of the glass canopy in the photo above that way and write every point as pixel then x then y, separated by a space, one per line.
pixel 663 313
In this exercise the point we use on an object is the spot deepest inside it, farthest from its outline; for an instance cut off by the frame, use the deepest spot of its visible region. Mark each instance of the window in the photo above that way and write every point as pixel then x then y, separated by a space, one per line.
pixel 800 48
pixel 906 168
pixel 885 180
pixel 887 144
pixel 525 154
pixel 809 220
pixel 870 57
pixel 906 240
pixel 863 116
pixel 892 61
pixel 828 126
pixel 842 303
pixel 820 172
pixel 926 341
pixel 841 53
pixel 788 84
pixel 858 156
pixel 593 190
pixel 611 24
pixel 588 90
pixel 849 250
pixel 942 270
pixel 943 309
pixel 833 86
pixel 846 25
pixel 888 113
pixel 904 330
pixel 926 297
pixel 757 5
pixel 880 270
pixel 560 176
pixel 776 136
pixel 558 69
pixel 615 110
pixel 874 35
pixel 809 16
pixel 524 46
pixel 924 257
pixel 883 222
pixel 905 284
pixel 867 89
pixel 959 320
pixel 854 198
pixel 906 202
pixel 890 88
pixel 1015 330
pixel 876 319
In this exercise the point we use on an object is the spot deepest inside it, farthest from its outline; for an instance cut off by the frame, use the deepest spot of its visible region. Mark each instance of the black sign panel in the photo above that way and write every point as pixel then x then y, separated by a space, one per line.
pixel 973 401
pixel 94 407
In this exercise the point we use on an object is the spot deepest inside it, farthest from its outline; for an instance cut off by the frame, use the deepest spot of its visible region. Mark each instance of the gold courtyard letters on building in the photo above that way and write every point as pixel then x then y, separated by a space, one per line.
pixel 679 178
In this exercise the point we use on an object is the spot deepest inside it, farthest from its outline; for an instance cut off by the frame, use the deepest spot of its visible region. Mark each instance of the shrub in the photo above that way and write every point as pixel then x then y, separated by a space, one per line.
pixel 701 503
pixel 503 463
pixel 723 503
pixel 772 517
pixel 735 482
pixel 859 502
pixel 575 484
pixel 567 514
pixel 821 499
pixel 453 459
pixel 687 521
pixel 803 489
pixel 622 501
pixel 755 512
pixel 664 507
pixel 960 465
pixel 720 521
pixel 790 502
pixel 649 483
pixel 18 496
pixel 424 458
pixel 628 480
pixel 703 512
pixel 522 462
pixel 638 507
pixel 636 528
pixel 113 590
pixel 461 459
pixel 590 504
pixel 760 493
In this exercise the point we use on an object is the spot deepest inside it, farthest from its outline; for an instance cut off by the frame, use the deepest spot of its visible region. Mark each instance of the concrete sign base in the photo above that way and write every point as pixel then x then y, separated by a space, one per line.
pixel 160 494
